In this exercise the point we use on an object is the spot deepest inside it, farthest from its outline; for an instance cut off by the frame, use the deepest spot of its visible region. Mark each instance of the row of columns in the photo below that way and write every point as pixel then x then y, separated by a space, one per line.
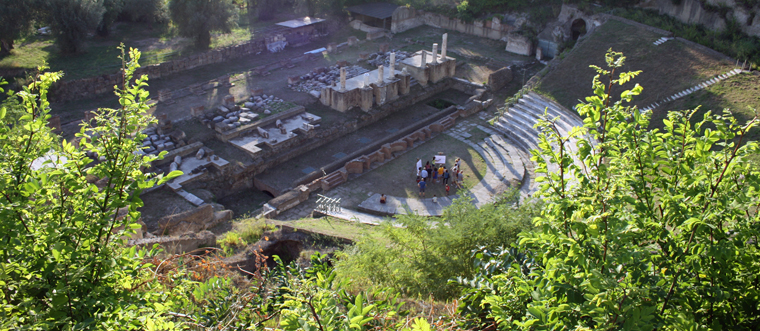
pixel 435 55
pixel 380 73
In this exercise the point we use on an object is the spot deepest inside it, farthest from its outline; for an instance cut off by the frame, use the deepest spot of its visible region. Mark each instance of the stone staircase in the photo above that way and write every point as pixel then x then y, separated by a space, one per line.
pixel 332 180
pixel 661 41
pixel 694 88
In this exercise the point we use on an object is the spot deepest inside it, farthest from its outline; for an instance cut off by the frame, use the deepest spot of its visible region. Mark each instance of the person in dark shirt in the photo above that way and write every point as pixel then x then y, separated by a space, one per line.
pixel 422 184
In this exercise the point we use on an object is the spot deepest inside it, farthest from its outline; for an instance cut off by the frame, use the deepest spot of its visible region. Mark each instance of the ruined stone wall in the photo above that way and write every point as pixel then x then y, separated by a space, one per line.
pixel 179 244
pixel 492 29
pixel 405 18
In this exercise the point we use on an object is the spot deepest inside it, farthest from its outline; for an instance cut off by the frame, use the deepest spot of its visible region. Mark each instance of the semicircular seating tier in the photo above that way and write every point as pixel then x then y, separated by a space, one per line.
pixel 519 121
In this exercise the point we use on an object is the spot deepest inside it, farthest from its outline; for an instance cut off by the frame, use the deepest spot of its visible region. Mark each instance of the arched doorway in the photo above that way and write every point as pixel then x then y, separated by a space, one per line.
pixel 578 28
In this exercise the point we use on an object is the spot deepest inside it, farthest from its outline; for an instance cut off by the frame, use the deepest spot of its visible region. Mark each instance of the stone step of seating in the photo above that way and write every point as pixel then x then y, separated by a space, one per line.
pixel 510 173
pixel 513 137
pixel 531 115
pixel 519 112
pixel 493 161
pixel 516 160
pixel 568 116
pixel 525 134
pixel 521 140
pixel 518 115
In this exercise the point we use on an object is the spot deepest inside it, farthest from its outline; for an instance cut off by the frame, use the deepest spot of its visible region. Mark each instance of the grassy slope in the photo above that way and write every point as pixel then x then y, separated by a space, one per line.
pixel 737 93
pixel 666 69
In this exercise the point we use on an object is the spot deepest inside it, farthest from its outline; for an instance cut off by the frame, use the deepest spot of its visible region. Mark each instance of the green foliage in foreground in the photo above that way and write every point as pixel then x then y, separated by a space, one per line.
pixel 655 230
pixel 63 261
pixel 421 257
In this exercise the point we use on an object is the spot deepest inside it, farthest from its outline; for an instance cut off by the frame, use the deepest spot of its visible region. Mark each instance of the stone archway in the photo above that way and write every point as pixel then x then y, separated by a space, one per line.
pixel 578 28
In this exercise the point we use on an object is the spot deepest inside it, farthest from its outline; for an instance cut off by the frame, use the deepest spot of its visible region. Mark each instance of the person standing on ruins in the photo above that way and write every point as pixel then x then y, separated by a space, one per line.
pixel 460 179
pixel 422 184
pixel 446 176
pixel 441 172
pixel 423 174
pixel 419 166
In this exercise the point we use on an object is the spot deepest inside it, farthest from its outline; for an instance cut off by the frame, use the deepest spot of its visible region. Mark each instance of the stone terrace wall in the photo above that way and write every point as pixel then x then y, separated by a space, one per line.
pixel 87 87
pixel 405 18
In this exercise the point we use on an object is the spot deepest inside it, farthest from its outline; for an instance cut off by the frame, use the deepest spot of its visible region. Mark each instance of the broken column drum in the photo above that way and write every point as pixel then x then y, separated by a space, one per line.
pixel 435 53
pixel 380 73
pixel 366 80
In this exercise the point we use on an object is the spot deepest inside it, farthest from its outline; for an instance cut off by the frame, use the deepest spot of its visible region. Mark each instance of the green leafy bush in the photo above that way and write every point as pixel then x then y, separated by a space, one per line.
pixel 244 232
pixel 64 265
pixel 423 256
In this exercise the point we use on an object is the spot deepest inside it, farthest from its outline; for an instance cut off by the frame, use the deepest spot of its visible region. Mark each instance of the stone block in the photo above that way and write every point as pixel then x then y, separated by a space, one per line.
pixel 499 78
pixel 190 221
pixel 229 100
pixel 355 166
pixel 197 111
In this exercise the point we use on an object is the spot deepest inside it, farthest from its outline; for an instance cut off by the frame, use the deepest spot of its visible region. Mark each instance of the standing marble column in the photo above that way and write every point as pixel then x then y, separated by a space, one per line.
pixel 435 53
pixel 443 46
pixel 366 80
pixel 380 73
pixel 423 61
pixel 393 64
pixel 343 79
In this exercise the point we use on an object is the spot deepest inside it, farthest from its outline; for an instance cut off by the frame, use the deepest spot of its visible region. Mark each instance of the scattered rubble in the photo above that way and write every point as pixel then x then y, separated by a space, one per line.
pixel 378 59
pixel 231 117
pixel 323 77
pixel 156 142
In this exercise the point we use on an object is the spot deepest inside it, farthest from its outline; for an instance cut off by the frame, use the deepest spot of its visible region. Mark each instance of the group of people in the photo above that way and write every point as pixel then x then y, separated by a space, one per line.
pixel 437 173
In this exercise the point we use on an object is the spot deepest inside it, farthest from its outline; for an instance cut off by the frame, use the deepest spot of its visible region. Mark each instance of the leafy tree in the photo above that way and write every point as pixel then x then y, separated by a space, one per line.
pixel 197 18
pixel 144 11
pixel 654 230
pixel 421 257
pixel 16 17
pixel 112 9
pixel 63 262
pixel 71 20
